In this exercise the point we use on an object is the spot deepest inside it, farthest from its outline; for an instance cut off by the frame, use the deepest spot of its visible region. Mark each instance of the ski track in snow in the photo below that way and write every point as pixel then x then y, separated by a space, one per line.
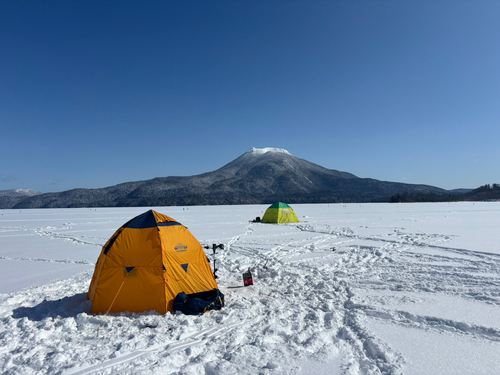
pixel 45 232
pixel 76 240
pixel 184 343
pixel 305 305
pixel 69 261
pixel 362 264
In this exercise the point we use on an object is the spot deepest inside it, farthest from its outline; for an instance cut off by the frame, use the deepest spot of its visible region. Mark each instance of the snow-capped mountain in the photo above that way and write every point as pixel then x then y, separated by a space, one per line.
pixel 260 175
pixel 18 193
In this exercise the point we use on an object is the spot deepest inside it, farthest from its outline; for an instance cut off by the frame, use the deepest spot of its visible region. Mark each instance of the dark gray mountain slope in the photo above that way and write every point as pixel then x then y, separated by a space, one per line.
pixel 258 176
pixel 9 198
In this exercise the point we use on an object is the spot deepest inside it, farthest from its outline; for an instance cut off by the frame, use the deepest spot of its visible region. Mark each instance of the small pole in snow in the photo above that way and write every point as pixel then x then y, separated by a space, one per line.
pixel 214 248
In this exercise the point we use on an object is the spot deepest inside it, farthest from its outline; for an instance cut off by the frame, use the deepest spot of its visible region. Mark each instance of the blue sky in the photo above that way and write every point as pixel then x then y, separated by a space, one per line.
pixel 96 93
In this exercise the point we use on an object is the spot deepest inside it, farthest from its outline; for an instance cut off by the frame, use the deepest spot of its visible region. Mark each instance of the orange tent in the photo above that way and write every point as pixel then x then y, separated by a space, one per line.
pixel 146 263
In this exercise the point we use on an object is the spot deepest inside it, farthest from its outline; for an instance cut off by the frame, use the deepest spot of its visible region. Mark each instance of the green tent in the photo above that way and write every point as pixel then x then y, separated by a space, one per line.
pixel 280 213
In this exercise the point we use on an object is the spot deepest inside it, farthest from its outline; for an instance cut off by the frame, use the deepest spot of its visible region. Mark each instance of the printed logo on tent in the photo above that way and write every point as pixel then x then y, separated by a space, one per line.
pixel 180 248
pixel 285 211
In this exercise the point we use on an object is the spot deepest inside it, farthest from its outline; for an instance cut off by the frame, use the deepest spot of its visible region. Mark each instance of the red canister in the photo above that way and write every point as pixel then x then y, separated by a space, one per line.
pixel 247 278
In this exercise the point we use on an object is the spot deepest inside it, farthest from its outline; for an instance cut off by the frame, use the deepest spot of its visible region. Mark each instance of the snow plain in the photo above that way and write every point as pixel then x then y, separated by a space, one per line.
pixel 409 289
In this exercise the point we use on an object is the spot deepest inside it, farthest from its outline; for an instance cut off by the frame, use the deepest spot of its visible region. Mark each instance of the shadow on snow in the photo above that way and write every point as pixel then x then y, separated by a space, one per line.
pixel 64 308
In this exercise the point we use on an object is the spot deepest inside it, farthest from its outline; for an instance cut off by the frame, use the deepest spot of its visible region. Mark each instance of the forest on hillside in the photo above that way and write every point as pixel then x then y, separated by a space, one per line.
pixel 483 193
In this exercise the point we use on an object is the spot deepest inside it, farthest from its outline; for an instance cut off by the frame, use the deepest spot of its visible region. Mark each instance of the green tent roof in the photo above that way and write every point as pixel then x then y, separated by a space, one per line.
pixel 280 205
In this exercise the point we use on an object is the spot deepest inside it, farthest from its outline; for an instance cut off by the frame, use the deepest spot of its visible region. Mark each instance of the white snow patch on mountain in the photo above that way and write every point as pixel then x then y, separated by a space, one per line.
pixel 260 151
pixel 18 192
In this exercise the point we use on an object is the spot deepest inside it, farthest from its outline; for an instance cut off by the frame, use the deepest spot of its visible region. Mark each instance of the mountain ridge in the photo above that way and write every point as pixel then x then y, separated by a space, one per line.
pixel 18 193
pixel 257 176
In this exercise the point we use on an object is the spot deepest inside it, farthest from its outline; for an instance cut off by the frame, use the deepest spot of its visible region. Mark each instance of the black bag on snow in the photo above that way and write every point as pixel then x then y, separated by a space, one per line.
pixel 198 303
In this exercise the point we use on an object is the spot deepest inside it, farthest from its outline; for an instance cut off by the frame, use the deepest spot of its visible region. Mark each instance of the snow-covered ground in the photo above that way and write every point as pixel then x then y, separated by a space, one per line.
pixel 410 289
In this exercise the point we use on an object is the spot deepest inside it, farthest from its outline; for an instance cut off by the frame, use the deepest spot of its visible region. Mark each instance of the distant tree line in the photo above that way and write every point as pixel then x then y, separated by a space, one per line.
pixel 483 193
pixel 420 197
pixel 488 188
